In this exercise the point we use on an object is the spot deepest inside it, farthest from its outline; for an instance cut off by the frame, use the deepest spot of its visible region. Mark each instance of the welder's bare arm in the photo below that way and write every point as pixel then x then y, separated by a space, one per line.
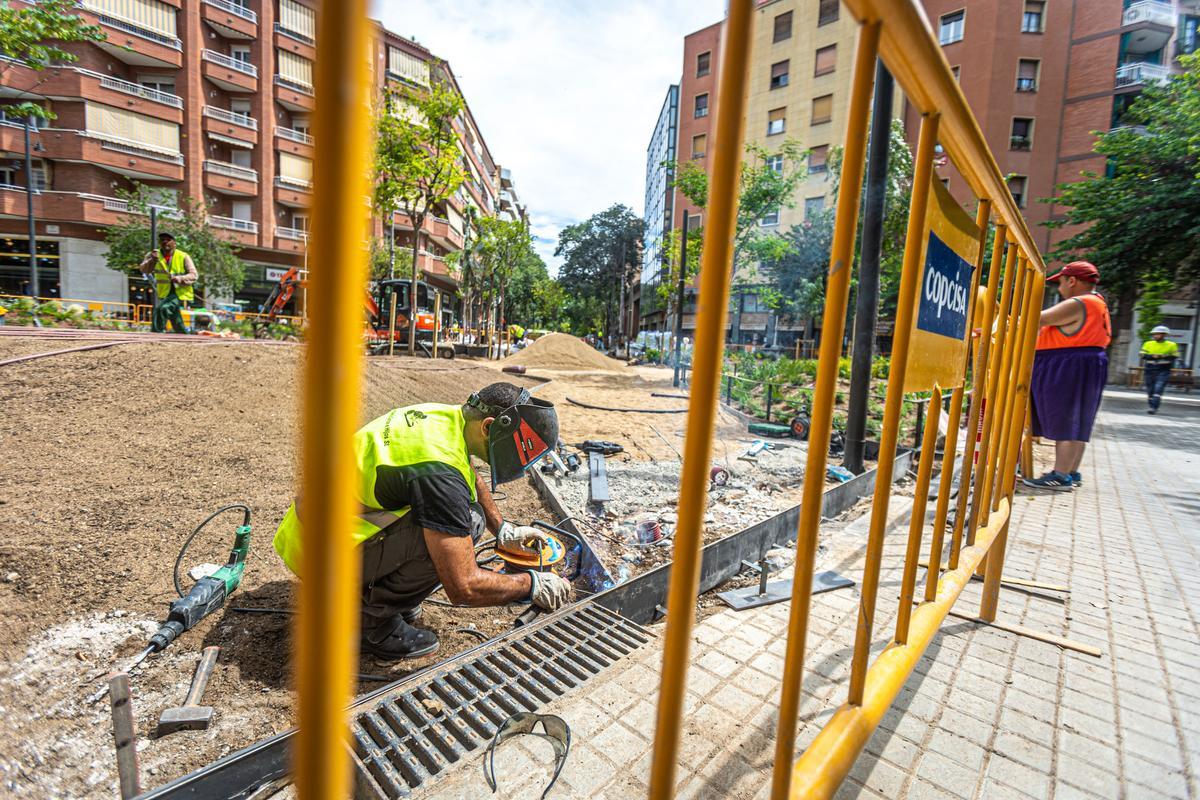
pixel 466 584
pixel 1068 312
pixel 491 512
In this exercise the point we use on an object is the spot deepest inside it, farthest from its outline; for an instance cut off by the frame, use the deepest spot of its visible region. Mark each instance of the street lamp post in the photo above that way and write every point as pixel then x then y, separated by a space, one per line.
pixel 34 288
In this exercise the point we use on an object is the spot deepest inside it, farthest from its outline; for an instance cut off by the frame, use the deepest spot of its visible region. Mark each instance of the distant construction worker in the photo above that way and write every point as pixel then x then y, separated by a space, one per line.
pixel 423 509
pixel 1070 369
pixel 174 274
pixel 1158 358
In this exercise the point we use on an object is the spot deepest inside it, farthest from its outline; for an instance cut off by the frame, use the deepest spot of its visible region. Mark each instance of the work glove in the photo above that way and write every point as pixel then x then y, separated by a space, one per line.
pixel 548 591
pixel 514 537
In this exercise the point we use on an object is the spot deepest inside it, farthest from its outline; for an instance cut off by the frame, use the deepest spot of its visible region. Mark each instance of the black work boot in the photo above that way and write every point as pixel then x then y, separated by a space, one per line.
pixel 395 640
pixel 411 615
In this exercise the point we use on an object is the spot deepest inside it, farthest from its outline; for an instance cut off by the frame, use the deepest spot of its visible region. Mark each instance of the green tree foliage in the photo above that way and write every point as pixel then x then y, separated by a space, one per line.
pixel 1143 219
pixel 600 256
pixel 1150 302
pixel 798 279
pixel 33 36
pixel 419 163
pixel 221 271
pixel 668 288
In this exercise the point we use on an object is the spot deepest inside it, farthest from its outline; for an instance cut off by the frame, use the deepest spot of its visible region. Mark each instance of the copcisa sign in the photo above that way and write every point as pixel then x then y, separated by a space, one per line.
pixel 939 337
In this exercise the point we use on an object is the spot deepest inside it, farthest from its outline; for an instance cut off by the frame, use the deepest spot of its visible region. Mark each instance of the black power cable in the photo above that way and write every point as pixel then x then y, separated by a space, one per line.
pixel 188 542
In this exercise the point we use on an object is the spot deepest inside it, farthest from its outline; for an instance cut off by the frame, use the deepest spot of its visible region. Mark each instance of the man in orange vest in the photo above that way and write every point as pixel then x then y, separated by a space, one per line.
pixel 1069 372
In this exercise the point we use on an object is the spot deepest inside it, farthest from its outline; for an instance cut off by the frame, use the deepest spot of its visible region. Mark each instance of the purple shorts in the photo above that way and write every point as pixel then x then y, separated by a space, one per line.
pixel 1065 391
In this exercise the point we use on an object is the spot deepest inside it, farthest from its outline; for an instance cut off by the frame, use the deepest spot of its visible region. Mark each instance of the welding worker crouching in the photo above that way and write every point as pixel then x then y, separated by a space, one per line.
pixel 423 511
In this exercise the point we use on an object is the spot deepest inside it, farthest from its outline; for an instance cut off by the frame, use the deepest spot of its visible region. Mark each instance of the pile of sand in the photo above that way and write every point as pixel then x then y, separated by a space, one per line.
pixel 563 351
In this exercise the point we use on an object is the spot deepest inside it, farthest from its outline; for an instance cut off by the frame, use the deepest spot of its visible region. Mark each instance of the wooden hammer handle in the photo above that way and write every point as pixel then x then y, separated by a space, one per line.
pixel 204 670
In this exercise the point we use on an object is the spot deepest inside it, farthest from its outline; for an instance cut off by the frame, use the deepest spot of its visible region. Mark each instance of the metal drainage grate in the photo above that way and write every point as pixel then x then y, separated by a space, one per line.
pixel 407 738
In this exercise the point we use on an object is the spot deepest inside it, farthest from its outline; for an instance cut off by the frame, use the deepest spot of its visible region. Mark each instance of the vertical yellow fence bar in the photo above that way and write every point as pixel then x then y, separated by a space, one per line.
pixel 1012 364
pixel 327 625
pixel 837 291
pixel 916 522
pixel 950 447
pixel 922 170
pixel 712 305
pixel 994 570
pixel 982 472
pixel 979 380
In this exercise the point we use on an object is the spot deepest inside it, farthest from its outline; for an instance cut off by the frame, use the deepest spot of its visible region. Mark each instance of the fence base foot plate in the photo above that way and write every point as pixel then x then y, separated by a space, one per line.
pixel 749 597
pixel 1041 636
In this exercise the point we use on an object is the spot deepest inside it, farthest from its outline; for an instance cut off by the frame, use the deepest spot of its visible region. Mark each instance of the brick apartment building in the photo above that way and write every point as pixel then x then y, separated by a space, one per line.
pixel 208 99
pixel 1041 77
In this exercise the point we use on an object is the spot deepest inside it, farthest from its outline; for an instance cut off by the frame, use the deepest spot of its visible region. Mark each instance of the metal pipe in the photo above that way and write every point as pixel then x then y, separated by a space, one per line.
pixel 1004 399
pixel 1010 440
pixel 836 294
pixel 327 623
pixel 683 243
pixel 823 766
pixel 916 521
pixel 979 377
pixel 905 304
pixel 34 286
pixel 867 302
pixel 949 448
pixel 712 302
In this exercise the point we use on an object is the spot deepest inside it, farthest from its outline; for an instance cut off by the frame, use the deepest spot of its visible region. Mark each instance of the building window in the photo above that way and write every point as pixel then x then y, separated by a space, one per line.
pixel 783 27
pixel 753 303
pixel 240 53
pixel 1016 185
pixel 822 110
pixel 1027 74
pixel 945 183
pixel 775 164
pixel 779 75
pixel 826 61
pixel 699 145
pixel 159 83
pixel 813 206
pixel 955 71
pixel 776 120
pixel 703 64
pixel 694 222
pixel 1022 134
pixel 701 105
pixel 771 218
pixel 828 12
pixel 951 28
pixel 1035 12
pixel 817 157
pixel 12 118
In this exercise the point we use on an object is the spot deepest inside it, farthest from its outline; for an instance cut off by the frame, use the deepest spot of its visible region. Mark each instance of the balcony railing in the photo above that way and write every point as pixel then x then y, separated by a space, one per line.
pixel 1140 72
pixel 232 117
pixel 293 183
pixel 135 89
pixel 132 148
pixel 1026 84
pixel 129 26
pixel 300 37
pixel 294 135
pixel 243 225
pixel 291 84
pixel 230 62
pixel 231 170
pixel 1019 143
pixel 1140 130
pixel 1149 11
pixel 298 234
pixel 235 9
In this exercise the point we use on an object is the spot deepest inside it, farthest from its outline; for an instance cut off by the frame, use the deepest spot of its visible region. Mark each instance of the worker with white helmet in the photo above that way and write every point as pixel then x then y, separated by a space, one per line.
pixel 1158 357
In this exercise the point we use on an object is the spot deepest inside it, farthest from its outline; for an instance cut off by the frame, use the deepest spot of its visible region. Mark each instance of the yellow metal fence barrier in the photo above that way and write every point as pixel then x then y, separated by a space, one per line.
pixel 997 364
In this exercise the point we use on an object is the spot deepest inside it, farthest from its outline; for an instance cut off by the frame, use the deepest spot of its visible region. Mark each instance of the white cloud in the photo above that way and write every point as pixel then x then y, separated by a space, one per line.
pixel 566 94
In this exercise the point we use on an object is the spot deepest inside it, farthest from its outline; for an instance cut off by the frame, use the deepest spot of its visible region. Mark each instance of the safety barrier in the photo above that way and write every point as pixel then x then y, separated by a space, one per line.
pixel 928 354
pixel 143 313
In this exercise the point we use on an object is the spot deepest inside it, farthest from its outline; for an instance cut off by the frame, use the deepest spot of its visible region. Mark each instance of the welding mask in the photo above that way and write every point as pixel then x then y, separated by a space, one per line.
pixel 519 435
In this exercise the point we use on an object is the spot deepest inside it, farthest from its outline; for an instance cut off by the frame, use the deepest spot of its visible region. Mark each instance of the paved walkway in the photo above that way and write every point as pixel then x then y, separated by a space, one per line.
pixel 987 714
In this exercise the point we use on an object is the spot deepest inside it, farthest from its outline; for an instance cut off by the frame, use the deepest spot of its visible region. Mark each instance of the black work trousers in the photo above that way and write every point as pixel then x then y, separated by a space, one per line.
pixel 397 571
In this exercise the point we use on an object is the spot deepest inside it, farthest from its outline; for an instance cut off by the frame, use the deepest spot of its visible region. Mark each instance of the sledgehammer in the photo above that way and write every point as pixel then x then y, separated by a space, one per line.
pixel 192 716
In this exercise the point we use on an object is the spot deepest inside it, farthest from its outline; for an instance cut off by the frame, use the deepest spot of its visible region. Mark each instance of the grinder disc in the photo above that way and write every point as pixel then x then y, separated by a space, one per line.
pixel 552 552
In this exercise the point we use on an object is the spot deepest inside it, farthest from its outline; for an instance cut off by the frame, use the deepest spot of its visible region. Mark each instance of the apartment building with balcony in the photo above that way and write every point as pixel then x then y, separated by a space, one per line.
pixel 207 99
pixel 659 212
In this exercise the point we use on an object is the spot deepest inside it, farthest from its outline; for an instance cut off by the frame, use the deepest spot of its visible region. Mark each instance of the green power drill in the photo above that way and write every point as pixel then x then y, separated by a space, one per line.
pixel 206 595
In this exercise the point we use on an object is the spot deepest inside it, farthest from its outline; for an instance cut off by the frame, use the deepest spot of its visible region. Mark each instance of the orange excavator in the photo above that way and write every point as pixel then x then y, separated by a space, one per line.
pixel 378 312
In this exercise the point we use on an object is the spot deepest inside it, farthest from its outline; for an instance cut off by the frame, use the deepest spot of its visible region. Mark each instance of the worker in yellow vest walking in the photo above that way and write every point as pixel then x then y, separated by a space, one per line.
pixel 174 274
pixel 1158 357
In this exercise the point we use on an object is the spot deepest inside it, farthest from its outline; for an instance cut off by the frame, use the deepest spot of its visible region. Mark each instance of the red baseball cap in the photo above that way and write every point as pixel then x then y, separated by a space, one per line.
pixel 1084 270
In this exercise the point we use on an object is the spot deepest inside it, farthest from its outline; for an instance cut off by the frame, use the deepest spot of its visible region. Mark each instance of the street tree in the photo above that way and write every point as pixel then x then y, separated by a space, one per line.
pixel 33 36
pixel 216 259
pixel 502 245
pixel 600 258
pixel 1139 222
pixel 419 163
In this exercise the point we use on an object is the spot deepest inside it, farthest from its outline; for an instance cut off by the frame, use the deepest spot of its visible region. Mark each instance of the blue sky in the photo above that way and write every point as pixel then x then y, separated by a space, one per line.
pixel 566 93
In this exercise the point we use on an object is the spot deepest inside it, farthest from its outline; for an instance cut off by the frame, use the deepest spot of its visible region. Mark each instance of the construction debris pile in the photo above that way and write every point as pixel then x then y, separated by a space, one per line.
pixel 562 351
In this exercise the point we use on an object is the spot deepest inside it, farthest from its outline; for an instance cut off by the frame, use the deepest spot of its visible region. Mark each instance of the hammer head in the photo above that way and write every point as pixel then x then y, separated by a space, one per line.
pixel 184 718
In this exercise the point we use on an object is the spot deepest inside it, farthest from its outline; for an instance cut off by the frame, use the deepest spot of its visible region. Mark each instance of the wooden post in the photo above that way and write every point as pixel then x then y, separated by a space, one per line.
pixel 124 735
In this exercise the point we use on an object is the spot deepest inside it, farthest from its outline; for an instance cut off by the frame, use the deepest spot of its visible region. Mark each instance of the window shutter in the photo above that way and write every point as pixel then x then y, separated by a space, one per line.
pixel 817 158
pixel 149 14
pixel 826 60
pixel 408 67
pixel 295 168
pixel 297 18
pixel 1027 69
pixel 294 68
pixel 130 127
pixel 822 110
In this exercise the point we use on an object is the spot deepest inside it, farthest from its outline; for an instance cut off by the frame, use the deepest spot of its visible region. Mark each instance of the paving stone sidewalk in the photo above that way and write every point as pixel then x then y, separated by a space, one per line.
pixel 987 714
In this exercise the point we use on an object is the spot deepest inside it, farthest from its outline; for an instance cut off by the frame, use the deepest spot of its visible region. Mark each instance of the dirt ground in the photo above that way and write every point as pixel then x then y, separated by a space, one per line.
pixel 110 458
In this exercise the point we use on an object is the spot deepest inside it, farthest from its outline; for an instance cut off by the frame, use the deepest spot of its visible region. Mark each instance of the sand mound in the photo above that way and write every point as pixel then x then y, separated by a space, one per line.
pixel 563 351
